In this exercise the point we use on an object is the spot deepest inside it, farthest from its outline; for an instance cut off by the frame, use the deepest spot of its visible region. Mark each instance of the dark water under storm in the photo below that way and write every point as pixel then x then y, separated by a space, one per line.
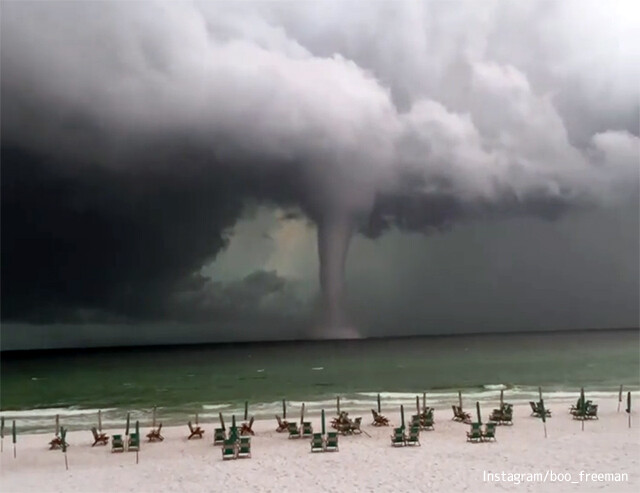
pixel 209 379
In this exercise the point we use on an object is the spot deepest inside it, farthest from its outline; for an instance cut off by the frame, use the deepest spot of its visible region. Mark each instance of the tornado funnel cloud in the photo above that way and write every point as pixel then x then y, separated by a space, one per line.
pixel 334 235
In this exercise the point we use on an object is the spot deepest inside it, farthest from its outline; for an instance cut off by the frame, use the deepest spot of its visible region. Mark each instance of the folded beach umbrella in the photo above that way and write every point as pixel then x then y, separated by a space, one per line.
pixel 501 398
pixel 246 410
pixel 478 409
pixel 284 409
pixel 629 407
pixel 127 428
pixel 2 434
pixel 379 407
pixel 417 404
pixel 302 414
pixel 13 432
pixel 57 424
pixel 63 435
pixel 233 421
pixel 424 401
pixel 154 418
pixel 221 421
pixel 323 427
pixel 100 420
pixel 619 398
pixel 402 415
pixel 460 399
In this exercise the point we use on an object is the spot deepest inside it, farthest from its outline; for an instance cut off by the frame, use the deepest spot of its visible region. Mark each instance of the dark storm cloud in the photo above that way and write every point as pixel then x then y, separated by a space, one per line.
pixel 133 134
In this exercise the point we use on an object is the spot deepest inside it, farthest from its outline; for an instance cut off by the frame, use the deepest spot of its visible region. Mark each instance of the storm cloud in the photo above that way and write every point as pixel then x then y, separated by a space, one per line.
pixel 135 134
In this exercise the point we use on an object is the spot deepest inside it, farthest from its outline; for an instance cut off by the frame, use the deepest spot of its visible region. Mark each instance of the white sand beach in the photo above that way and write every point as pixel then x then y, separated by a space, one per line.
pixel 445 461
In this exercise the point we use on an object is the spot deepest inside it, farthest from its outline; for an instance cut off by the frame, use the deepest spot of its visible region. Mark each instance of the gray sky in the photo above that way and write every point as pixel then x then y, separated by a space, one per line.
pixel 164 166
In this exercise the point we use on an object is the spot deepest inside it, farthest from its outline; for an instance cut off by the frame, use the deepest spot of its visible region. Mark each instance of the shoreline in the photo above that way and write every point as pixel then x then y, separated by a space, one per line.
pixel 444 461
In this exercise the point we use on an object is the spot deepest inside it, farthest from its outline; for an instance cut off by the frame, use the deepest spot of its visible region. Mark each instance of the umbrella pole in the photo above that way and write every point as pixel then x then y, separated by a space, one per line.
pixel 63 435
pixel 302 415
pixel 13 431
pixel 619 398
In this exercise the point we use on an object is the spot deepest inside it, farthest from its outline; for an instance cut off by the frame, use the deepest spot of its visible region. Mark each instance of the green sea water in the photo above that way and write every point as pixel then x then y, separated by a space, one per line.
pixel 209 379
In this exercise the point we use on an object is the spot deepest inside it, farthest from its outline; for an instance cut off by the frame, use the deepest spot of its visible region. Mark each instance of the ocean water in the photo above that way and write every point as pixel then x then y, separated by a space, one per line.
pixel 208 379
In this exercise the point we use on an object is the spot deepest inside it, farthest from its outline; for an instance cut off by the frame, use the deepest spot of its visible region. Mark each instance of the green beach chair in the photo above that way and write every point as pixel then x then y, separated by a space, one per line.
pixel 332 442
pixel 414 436
pixel 234 434
pixel 134 442
pixel 398 439
pixel 229 450
pixel 294 431
pixel 307 429
pixel 489 432
pixel 244 449
pixel 317 443
pixel 475 435
pixel 218 436
pixel 427 420
pixel 117 445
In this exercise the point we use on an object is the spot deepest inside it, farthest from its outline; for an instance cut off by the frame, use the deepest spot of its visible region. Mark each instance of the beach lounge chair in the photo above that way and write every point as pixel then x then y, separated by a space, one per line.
pixel 475 434
pixel 99 438
pixel 294 430
pixel 244 448
pixel 379 419
pixel 355 426
pixel 283 425
pixel 489 432
pixel 460 416
pixel 591 411
pixel 503 416
pixel 414 436
pixel 195 432
pixel 56 443
pixel 246 428
pixel 307 429
pixel 134 442
pixel 317 443
pixel 332 442
pixel 536 410
pixel 426 420
pixel 229 450
pixel 117 445
pixel 154 435
pixel 234 433
pixel 219 436
pixel 398 439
